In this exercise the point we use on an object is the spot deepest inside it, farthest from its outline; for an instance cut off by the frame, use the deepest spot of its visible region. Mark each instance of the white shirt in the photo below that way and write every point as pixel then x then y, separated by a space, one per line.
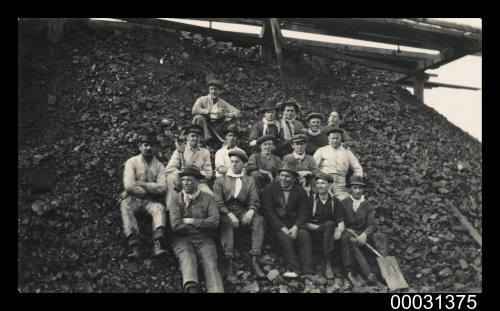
pixel 222 158
pixel 337 161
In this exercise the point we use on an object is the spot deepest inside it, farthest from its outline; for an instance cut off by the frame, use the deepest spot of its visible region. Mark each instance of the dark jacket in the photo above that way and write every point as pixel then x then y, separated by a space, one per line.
pixel 258 129
pixel 204 211
pixel 362 220
pixel 279 215
pixel 314 142
pixel 332 210
pixel 224 193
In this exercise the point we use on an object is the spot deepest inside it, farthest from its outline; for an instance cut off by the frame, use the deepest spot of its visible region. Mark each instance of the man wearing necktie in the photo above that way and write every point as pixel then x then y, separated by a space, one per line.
pixel 238 202
pixel 289 126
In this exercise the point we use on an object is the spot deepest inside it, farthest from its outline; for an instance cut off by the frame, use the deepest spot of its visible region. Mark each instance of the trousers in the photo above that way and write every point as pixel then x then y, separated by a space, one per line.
pixel 212 127
pixel 351 252
pixel 325 234
pixel 257 227
pixel 131 205
pixel 286 246
pixel 188 251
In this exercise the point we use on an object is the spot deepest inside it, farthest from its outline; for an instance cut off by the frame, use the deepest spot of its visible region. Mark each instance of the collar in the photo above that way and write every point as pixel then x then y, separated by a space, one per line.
pixel 188 198
pixel 313 133
pixel 230 173
pixel 188 146
pixel 299 157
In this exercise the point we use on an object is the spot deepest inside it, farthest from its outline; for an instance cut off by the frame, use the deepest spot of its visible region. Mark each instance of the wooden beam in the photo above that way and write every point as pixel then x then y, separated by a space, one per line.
pixel 248 21
pixel 418 88
pixel 430 85
pixel 277 44
pixel 445 24
pixel 473 231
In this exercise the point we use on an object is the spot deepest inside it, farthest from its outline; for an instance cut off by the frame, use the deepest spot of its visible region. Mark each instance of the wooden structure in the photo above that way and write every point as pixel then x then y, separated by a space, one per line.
pixel 452 41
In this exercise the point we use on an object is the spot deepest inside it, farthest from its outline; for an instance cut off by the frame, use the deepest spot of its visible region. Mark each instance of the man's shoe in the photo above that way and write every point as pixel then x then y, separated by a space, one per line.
pixel 135 252
pixel 353 280
pixel 329 271
pixel 256 268
pixel 193 288
pixel 290 274
pixel 157 249
pixel 372 279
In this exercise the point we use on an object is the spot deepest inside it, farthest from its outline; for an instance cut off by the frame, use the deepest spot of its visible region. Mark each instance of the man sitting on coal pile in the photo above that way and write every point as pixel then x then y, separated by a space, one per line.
pixel 336 160
pixel 263 166
pixel 315 138
pixel 359 215
pixel 305 165
pixel 334 121
pixel 238 202
pixel 222 160
pixel 212 113
pixel 324 226
pixel 268 126
pixel 289 125
pixel 194 218
pixel 286 207
pixel 189 154
pixel 144 180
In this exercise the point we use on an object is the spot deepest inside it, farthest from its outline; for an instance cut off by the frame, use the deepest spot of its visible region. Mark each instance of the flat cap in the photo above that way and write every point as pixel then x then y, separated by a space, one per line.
pixel 239 153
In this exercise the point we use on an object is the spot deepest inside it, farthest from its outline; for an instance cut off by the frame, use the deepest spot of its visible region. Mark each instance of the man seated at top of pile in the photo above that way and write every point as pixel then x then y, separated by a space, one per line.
pixel 188 154
pixel 289 125
pixel 212 113
pixel 336 160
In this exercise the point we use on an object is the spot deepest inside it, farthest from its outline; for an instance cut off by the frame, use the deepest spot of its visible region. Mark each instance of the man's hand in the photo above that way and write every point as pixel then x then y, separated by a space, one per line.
pixel 234 219
pixel 341 226
pixel 311 226
pixel 219 114
pixel 337 234
pixel 187 221
pixel 180 145
pixel 267 173
pixel 253 143
pixel 222 169
pixel 293 231
pixel 285 230
pixel 247 218
pixel 362 238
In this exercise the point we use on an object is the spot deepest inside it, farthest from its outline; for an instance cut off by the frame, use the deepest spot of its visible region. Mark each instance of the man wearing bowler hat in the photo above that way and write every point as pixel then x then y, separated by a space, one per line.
pixel 263 166
pixel 194 219
pixel 238 202
pixel 189 154
pixel 315 138
pixel 286 208
pixel 212 113
pixel 336 160
pixel 144 179
pixel 222 160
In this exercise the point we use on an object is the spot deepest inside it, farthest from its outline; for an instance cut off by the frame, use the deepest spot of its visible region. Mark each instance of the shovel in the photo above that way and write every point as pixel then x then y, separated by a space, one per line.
pixel 389 268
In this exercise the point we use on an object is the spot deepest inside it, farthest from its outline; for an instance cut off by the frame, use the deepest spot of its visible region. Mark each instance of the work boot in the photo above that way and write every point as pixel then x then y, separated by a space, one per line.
pixel 135 252
pixel 157 248
pixel 372 279
pixel 192 287
pixel 329 270
pixel 256 268
pixel 354 281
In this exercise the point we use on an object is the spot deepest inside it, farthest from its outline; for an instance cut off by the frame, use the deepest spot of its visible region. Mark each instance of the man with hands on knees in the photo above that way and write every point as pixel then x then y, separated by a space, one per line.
pixel 263 166
pixel 238 202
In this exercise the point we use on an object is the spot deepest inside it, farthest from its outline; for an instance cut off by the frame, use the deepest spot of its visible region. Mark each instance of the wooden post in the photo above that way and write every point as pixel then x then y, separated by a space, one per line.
pixel 55 29
pixel 418 87
pixel 277 45
pixel 266 52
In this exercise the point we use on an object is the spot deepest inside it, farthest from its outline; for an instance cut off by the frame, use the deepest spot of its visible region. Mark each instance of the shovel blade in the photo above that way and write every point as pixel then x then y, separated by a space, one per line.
pixel 391 272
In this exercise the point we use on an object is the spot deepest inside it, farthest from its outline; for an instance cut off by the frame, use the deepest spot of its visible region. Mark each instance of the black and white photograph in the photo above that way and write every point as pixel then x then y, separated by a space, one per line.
pixel 251 155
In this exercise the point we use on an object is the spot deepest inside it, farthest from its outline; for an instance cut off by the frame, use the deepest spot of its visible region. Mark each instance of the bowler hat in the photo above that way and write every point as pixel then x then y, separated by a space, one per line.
pixel 239 153
pixel 288 102
pixel 324 176
pixel 299 137
pixel 356 180
pixel 232 128
pixel 264 138
pixel 334 130
pixel 191 170
pixel 148 137
pixel 214 82
pixel 314 115
pixel 193 128
pixel 267 107
pixel 289 168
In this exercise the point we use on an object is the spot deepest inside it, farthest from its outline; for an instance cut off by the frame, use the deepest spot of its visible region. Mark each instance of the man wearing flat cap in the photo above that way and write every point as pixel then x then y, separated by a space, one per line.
pixel 263 166
pixel 267 126
pixel 315 138
pixel 323 225
pixel 222 160
pixel 305 165
pixel 286 208
pixel 289 125
pixel 194 219
pixel 238 202
pixel 189 154
pixel 336 160
pixel 212 113
pixel 144 179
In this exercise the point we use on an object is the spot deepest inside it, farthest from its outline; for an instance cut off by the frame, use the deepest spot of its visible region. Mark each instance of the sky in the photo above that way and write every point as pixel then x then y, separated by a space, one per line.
pixel 461 107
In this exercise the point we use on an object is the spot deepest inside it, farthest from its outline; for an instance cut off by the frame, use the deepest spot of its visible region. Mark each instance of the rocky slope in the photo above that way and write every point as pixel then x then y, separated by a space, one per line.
pixel 83 102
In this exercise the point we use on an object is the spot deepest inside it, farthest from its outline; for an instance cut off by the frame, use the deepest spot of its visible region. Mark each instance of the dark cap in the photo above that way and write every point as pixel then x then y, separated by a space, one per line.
pixel 324 176
pixel 289 102
pixel 214 82
pixel 299 137
pixel 334 130
pixel 264 138
pixel 232 128
pixel 239 153
pixel 193 128
pixel 356 180
pixel 313 115
pixel 289 168
pixel 267 107
pixel 148 137
pixel 190 170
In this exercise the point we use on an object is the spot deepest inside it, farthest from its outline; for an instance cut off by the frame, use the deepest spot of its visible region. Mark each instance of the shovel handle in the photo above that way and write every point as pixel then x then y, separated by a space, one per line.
pixel 367 244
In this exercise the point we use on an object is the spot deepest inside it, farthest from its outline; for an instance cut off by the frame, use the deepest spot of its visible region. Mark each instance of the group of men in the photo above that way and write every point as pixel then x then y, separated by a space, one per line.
pixel 292 187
